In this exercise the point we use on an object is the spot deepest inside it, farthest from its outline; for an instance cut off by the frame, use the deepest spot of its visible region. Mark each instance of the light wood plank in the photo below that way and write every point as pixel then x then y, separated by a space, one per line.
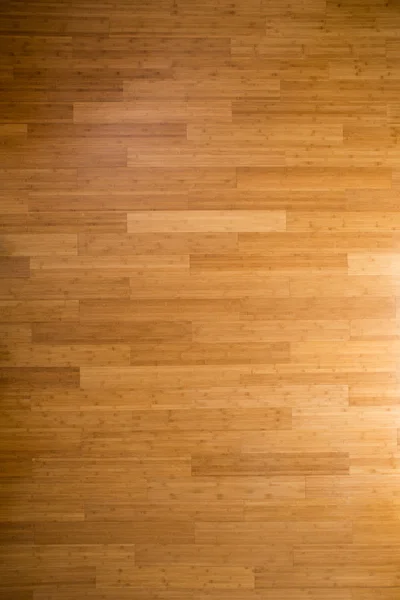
pixel 200 221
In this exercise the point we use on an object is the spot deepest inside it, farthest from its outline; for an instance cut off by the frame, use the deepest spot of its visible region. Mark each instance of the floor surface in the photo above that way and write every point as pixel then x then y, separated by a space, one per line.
pixel 200 271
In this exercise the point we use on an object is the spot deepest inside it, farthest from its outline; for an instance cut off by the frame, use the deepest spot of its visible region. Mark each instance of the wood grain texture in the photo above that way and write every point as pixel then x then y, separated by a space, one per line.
pixel 199 300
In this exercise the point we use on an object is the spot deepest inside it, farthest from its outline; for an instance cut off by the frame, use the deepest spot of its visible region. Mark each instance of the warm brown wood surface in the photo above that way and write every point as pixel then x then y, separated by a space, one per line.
pixel 199 292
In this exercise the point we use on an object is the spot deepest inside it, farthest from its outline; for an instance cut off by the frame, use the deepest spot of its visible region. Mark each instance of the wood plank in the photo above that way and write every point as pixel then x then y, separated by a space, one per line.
pixel 44 244
pixel 152 110
pixel 209 284
pixel 110 331
pixel 257 532
pixel 159 244
pixel 274 133
pixel 54 25
pixel 59 152
pixel 184 511
pixel 322 509
pixel 43 510
pixel 65 222
pixel 346 577
pixel 235 419
pixel 13 201
pixel 34 441
pixel 67 84
pixel 212 221
pixel 41 45
pixel 143 468
pixel 56 398
pixel 198 353
pixel 371 533
pixel 192 154
pixel 364 352
pixel 212 489
pixel 373 263
pixel 293 111
pixel 34 377
pixel 238 199
pixel 358 442
pixel 18 267
pixel 331 90
pixel 11 333
pixel 303 308
pixel 370 395
pixel 100 201
pixel 384 593
pixel 13 130
pixel 342 417
pixel 354 554
pixel 220 82
pixel 157 442
pixel 264 243
pixel 106 266
pixel 374 222
pixel 260 330
pixel 41 576
pixel 377 486
pixel 157 179
pixel 204 554
pixel 329 373
pixel 142 310
pixel 35 112
pixel 155 131
pixel 64 287
pixel 42 355
pixel 270 464
pixel 16 533
pixel 374 329
pixel 312 285
pixel 154 47
pixel 23 311
pixel 178 577
pixel 344 157
pixel 58 94
pixel 285 262
pixel 38 179
pixel 115 533
pixel 313 178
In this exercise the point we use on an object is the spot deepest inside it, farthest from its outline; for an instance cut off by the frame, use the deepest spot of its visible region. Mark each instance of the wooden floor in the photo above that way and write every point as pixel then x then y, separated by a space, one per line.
pixel 200 214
